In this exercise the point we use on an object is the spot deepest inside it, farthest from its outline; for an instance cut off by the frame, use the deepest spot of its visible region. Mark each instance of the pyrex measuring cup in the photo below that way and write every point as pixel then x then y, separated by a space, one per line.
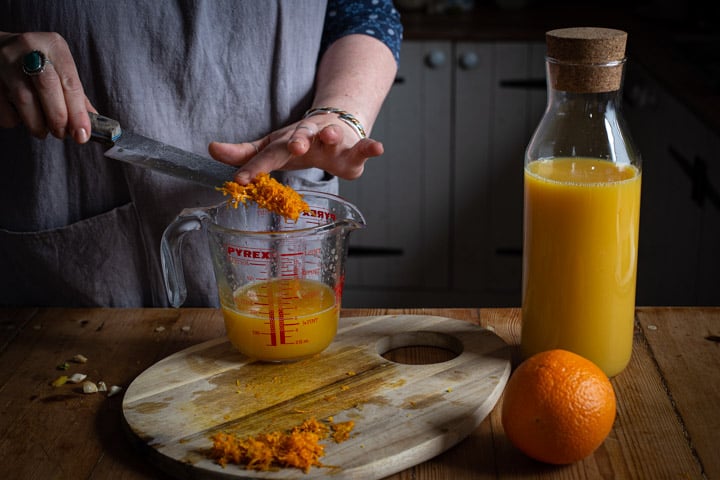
pixel 279 281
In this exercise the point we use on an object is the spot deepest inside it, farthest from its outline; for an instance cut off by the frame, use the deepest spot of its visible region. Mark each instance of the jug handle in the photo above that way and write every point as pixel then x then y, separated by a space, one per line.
pixel 171 253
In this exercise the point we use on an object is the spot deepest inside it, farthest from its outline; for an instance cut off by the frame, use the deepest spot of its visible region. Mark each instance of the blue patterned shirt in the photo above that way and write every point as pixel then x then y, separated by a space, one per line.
pixel 376 18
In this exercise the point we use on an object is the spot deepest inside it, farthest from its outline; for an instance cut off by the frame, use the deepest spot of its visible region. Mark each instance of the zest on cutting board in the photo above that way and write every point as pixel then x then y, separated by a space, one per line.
pixel 580 259
pixel 282 319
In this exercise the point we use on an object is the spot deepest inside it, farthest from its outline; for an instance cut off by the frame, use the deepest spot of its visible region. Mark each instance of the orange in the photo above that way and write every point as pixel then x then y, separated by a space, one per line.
pixel 558 407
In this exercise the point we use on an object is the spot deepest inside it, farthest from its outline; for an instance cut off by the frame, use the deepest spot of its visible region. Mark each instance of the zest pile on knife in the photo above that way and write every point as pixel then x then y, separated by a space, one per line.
pixel 269 194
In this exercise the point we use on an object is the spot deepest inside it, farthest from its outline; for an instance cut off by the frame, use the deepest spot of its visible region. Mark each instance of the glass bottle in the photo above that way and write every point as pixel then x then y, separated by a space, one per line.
pixel 581 206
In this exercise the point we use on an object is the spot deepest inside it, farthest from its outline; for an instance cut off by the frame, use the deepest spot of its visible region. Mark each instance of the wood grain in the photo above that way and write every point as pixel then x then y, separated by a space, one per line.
pixel 684 345
pixel 667 398
pixel 404 413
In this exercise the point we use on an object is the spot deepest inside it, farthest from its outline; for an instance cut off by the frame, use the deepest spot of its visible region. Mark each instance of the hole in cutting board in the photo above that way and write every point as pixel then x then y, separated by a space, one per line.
pixel 419 348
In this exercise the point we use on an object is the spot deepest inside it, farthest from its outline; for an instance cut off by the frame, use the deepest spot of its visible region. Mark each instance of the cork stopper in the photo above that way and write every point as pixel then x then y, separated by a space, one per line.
pixel 586 59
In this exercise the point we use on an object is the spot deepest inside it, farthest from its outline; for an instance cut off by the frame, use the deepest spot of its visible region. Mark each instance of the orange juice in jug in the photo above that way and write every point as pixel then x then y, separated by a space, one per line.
pixel 282 319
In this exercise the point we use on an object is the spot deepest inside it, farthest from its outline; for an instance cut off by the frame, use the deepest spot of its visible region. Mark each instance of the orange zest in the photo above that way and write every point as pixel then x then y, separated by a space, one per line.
pixel 298 448
pixel 269 194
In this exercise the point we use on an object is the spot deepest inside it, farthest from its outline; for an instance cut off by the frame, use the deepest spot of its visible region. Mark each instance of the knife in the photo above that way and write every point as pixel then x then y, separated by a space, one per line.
pixel 148 153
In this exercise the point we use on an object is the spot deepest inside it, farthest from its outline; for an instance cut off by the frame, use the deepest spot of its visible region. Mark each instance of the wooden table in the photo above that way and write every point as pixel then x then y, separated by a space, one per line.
pixel 668 423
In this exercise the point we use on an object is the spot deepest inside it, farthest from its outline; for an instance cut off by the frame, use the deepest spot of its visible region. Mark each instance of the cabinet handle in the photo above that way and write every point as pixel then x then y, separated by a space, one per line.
pixel 696 170
pixel 435 59
pixel 468 60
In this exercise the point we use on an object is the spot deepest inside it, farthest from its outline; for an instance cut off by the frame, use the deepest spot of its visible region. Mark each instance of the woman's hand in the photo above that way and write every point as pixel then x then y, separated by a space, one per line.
pixel 321 141
pixel 52 101
pixel 324 140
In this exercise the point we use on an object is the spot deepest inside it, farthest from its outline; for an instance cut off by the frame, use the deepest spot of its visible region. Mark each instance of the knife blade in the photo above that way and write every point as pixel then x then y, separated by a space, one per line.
pixel 148 153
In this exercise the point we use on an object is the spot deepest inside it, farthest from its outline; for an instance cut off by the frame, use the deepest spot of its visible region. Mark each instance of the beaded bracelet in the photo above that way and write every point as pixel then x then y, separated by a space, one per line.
pixel 346 117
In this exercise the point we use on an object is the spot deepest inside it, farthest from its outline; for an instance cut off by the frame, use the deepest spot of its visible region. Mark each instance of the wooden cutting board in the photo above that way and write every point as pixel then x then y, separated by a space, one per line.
pixel 404 414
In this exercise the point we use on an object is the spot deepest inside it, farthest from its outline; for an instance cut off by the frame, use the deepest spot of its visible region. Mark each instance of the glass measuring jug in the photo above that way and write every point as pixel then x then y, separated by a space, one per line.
pixel 279 281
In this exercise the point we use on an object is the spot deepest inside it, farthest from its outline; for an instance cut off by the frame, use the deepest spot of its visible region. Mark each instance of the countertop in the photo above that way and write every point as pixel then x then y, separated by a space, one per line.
pixel 667 424
pixel 681 51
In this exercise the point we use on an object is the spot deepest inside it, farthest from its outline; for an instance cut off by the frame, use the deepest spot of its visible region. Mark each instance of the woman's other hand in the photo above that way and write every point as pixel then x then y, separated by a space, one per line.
pixel 51 101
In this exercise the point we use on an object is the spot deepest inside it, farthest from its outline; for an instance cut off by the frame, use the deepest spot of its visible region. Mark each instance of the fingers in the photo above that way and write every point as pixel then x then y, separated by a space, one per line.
pixel 269 159
pixel 333 148
pixel 29 110
pixel 233 153
pixel 302 138
pixel 73 94
pixel 369 148
pixel 327 152
pixel 335 157
pixel 353 161
pixel 331 135
pixel 237 154
pixel 53 100
pixel 255 167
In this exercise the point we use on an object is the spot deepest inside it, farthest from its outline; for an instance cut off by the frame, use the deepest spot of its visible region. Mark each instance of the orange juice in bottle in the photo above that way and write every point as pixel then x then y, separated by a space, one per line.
pixel 582 206
pixel 581 231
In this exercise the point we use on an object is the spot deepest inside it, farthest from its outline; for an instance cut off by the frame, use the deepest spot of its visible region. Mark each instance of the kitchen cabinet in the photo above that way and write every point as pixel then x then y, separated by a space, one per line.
pixel 498 105
pixel 444 203
pixel 679 258
pixel 405 194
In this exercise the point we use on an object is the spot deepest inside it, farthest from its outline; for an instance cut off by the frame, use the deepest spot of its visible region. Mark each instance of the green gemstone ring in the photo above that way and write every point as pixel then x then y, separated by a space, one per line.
pixel 34 63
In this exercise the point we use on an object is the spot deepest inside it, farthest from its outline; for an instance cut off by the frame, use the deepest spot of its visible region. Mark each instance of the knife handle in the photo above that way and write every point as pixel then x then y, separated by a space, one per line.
pixel 104 130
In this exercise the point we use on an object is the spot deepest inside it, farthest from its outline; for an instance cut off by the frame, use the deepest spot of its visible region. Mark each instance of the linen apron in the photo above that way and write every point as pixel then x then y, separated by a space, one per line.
pixel 78 229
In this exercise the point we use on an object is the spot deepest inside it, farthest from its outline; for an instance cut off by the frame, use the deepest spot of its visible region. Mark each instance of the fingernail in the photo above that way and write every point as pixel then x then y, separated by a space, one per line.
pixel 81 135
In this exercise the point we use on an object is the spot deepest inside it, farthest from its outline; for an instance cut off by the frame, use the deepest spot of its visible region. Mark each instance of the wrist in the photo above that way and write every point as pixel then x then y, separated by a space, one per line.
pixel 346 117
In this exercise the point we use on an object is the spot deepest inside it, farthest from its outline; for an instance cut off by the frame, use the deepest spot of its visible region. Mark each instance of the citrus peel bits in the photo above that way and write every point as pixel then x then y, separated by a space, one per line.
pixel 298 448
pixel 269 194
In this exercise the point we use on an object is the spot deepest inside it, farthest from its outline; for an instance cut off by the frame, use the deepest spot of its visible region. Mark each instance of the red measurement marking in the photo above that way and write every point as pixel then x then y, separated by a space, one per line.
pixel 272 333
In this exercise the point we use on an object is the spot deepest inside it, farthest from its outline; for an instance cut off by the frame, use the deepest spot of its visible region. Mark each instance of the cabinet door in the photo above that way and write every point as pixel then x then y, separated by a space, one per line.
pixel 499 101
pixel 404 194
pixel 670 220
pixel 708 173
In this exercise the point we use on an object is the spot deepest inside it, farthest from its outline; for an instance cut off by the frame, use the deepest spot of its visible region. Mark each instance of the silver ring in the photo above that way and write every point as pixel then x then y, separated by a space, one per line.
pixel 257 150
pixel 34 63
